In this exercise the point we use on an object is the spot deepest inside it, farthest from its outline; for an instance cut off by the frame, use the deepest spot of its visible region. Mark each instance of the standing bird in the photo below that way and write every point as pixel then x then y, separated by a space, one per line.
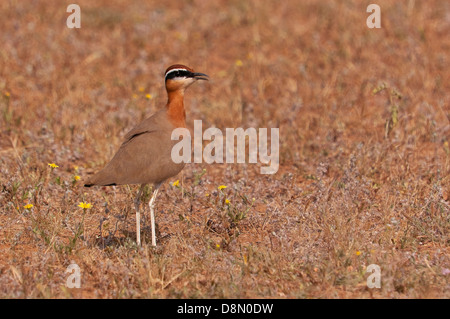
pixel 145 155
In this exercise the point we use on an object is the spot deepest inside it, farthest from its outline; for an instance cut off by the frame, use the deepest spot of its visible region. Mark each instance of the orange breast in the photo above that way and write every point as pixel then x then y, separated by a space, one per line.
pixel 175 109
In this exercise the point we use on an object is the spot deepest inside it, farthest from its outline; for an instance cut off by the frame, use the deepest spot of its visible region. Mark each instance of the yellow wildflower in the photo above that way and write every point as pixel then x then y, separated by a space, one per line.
pixel 84 205
pixel 28 206
pixel 76 177
pixel 7 94
pixel 238 63
pixel 53 165
pixel 141 89
pixel 227 201
pixel 176 183
pixel 178 35
pixel 358 253
pixel 222 73
pixel 221 187
pixel 148 96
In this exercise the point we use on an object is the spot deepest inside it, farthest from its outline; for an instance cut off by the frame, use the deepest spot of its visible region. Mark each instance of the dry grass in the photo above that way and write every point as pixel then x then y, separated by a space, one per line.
pixel 364 176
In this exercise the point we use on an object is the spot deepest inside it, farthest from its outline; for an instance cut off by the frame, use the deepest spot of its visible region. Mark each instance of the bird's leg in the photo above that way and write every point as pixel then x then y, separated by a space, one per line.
pixel 137 201
pixel 152 213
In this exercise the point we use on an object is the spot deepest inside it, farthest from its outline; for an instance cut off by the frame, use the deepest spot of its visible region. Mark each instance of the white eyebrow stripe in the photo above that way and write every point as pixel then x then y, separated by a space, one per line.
pixel 173 70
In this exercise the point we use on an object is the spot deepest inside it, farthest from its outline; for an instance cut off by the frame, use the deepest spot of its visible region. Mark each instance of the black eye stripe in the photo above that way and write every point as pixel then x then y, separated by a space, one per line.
pixel 178 73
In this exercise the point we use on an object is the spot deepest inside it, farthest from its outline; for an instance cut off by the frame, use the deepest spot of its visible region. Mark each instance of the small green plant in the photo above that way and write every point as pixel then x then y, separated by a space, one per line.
pixel 237 213
pixel 198 176
pixel 232 212
pixel 394 96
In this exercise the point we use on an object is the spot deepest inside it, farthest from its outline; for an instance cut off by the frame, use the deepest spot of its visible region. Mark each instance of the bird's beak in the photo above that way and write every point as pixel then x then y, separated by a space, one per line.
pixel 201 76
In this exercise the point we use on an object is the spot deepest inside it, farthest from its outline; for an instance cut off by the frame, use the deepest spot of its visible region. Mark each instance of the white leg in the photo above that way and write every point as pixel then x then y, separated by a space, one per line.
pixel 152 213
pixel 137 201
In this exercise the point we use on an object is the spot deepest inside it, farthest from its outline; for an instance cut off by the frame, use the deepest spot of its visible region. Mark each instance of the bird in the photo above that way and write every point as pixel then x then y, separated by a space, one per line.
pixel 145 154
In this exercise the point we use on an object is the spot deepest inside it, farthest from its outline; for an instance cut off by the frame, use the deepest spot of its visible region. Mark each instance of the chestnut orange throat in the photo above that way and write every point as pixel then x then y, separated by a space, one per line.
pixel 175 108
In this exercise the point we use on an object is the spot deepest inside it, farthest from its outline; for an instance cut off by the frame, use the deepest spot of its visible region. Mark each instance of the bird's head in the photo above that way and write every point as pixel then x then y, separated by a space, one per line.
pixel 179 77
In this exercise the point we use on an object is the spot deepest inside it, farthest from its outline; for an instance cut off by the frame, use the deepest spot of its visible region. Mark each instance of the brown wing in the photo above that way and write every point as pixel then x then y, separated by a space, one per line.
pixel 144 157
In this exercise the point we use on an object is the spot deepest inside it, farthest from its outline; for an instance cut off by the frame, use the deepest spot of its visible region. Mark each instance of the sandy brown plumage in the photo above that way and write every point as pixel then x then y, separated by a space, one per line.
pixel 145 155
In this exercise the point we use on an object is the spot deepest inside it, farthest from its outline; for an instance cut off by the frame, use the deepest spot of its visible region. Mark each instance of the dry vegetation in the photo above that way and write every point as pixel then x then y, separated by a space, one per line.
pixel 364 132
